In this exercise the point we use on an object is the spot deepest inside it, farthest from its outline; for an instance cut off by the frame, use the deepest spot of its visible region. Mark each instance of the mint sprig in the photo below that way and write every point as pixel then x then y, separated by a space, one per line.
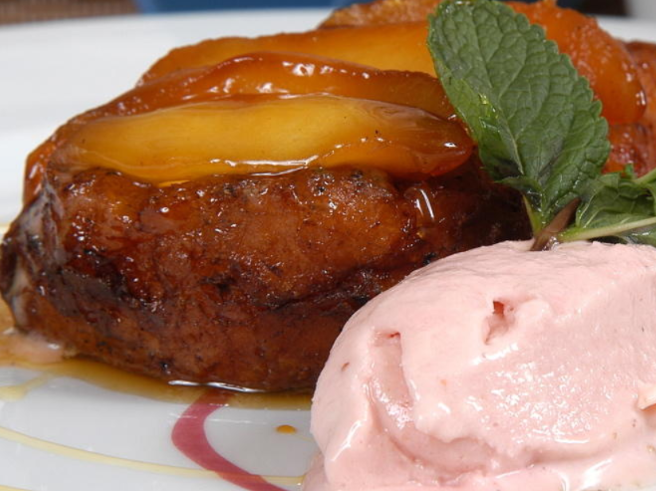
pixel 537 125
pixel 618 206
pixel 534 118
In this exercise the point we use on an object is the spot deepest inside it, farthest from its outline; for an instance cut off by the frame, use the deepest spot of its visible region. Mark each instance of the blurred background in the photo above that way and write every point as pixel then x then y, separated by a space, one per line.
pixel 18 11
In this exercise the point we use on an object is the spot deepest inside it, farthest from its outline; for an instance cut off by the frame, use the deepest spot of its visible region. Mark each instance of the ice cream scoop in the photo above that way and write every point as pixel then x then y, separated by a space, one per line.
pixel 497 369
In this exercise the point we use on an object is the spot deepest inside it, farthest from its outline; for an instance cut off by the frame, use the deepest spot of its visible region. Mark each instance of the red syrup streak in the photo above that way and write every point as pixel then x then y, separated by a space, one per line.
pixel 190 438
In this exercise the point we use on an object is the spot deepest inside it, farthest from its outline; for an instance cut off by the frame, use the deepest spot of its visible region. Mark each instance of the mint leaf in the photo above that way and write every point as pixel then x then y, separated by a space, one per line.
pixel 617 206
pixel 533 116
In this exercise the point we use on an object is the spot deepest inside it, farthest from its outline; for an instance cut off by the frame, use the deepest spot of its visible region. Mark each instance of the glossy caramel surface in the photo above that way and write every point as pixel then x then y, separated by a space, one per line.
pixel 268 74
pixel 268 135
pixel 599 57
pixel 603 60
pixel 387 47
pixel 297 64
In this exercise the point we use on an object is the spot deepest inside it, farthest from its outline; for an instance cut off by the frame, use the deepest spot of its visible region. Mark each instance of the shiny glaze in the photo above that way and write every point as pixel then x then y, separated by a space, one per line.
pixel 603 60
pixel 197 140
pixel 17 349
pixel 380 12
pixel 271 72
pixel 255 73
pixel 390 47
pixel 229 66
pixel 286 429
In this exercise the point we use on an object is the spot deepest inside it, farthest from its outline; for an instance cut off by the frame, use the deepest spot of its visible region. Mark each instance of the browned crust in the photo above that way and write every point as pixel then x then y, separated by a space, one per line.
pixel 240 280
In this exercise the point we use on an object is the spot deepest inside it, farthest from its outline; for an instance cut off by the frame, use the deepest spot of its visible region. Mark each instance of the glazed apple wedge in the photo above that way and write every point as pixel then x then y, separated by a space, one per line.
pixel 269 134
pixel 257 73
pixel 387 47
pixel 603 60
pixel 373 39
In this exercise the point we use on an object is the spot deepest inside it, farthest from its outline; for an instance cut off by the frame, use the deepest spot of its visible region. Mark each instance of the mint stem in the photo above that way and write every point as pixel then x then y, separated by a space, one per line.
pixel 647 178
pixel 610 231
pixel 547 238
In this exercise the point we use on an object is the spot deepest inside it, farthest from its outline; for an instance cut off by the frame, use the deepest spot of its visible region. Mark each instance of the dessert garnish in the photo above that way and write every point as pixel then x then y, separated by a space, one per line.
pixel 537 125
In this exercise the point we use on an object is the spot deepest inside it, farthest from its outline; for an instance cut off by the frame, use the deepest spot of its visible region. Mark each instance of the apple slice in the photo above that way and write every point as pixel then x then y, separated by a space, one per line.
pixel 603 60
pixel 268 134
pixel 381 12
pixel 266 72
pixel 388 47
pixel 284 73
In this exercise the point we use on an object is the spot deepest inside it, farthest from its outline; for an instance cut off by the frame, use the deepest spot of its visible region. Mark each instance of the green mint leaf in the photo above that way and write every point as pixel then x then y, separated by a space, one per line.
pixel 619 207
pixel 532 115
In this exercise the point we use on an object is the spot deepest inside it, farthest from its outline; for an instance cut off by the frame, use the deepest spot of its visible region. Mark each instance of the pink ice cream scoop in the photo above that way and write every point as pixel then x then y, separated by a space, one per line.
pixel 497 369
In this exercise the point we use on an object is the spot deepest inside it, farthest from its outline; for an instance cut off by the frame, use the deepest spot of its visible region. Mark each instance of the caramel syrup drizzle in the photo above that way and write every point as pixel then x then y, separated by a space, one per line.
pixel 117 380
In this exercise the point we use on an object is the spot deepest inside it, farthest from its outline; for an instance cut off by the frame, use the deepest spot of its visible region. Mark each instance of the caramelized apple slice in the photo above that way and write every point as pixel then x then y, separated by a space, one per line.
pixel 388 47
pixel 596 54
pixel 267 72
pixel 381 12
pixel 604 60
pixel 644 56
pixel 268 134
pixel 285 73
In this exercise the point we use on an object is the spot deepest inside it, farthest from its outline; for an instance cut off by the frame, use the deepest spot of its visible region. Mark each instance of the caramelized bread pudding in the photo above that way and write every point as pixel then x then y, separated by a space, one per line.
pixel 221 221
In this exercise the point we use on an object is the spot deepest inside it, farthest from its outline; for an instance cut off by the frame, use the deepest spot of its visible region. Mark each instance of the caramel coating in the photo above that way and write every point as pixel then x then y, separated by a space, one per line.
pixel 387 47
pixel 644 55
pixel 257 134
pixel 255 73
pixel 381 12
pixel 599 57
pixel 631 144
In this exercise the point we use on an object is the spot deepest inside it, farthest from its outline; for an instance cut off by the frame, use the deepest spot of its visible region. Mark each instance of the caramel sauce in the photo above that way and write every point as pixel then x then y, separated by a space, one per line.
pixel 6 320
pixel 16 347
pixel 421 198
pixel 12 393
pixel 286 430
pixel 117 380
pixel 88 456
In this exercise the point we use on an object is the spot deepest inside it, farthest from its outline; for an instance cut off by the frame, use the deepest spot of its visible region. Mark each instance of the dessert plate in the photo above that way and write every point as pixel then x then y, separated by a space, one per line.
pixel 78 425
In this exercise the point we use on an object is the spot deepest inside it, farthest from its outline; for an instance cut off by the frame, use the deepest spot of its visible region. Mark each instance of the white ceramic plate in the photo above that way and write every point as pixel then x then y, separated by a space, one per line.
pixel 59 433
